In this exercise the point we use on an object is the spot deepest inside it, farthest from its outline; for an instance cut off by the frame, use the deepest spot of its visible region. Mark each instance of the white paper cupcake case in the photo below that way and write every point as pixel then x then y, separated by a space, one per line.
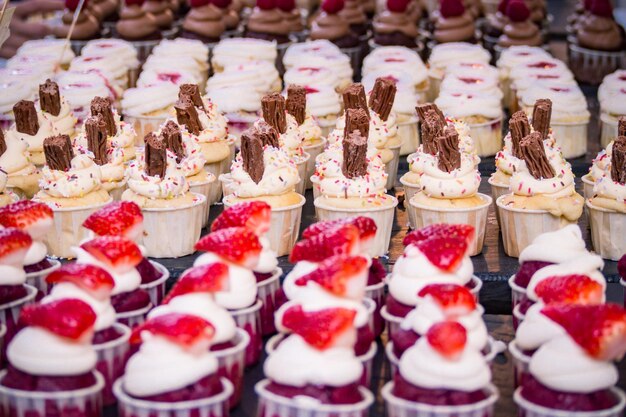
pixel 409 191
pixel 608 231
pixel 112 357
pixel 207 189
pixel 86 401
pixel 608 130
pixel 226 181
pixel 267 291
pixel 231 364
pixel 272 405
pixel 520 227
pixel 313 152
pixel 590 66
pixel 520 362
pixel 216 406
pixel 156 288
pixel 134 318
pixel 382 216
pixel 487 137
pixel 158 238
pixel 302 165
pixel 497 190
pixel 399 407
pixel 144 125
pixel 68 230
pixel 571 138
pixel 249 320
pixel 38 279
pixel 376 293
pixel 518 293
pixel 475 216
pixel 391 167
pixel 3 333
pixel 527 409
pixel 410 135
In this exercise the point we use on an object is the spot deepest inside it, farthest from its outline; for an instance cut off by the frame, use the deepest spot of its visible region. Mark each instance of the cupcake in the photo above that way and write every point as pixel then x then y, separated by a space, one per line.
pixel 124 219
pixel 599 45
pixel 453 23
pixel 291 14
pixel 104 10
pixel 354 14
pixel 320 54
pixel 138 27
pixel 20 175
pixel 145 108
pixel 239 249
pixel 6 196
pixel 56 110
pixel 261 76
pixel 331 26
pixel 86 27
pixel 610 96
pixel 52 359
pixel 158 186
pixel 48 48
pixel 511 58
pixel 162 13
pixel 600 167
pixel 93 285
pixel 181 382
pixel 18 84
pixel 79 89
pixel 111 67
pixel 393 27
pixel 204 22
pixel 520 30
pixel 177 57
pixel 234 51
pixel 266 22
pixel 240 105
pixel 30 127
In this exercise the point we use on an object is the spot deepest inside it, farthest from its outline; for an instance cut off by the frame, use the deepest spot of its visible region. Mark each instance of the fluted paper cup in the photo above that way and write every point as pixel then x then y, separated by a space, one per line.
pixel 487 137
pixel 527 409
pixel 112 357
pixel 135 317
pixel 232 362
pixel 10 314
pixel 518 316
pixel 520 227
pixel 520 361
pixel 156 288
pixel 68 229
pixel 226 181
pixel 475 216
pixel 215 406
pixel 144 125
pixel 284 226
pixel 211 190
pixel 391 167
pixel 608 231
pixel 399 407
pixel 84 402
pixel 608 131
pixel 571 138
pixel 382 216
pixel 172 232
pixel 434 83
pixel 588 184
pixel 410 190
pixel 591 66
pixel 267 291
pixel 38 278
pixel 313 152
pixel 302 164
pixel 249 320
pixel 3 332
pixel 410 135
pixel 518 293
pixel 497 190
pixel 272 405
pixel 376 293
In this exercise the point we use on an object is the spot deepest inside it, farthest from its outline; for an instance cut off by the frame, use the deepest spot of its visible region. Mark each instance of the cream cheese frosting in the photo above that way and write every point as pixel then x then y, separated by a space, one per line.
pixel 105 313
pixel 83 177
pixel 173 184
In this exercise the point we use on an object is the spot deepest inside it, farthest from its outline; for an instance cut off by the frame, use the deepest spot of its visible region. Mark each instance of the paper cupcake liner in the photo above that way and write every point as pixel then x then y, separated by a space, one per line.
pixel 68 229
pixel 370 307
pixel 527 409
pixel 226 182
pixel 591 66
pixel 391 167
pixel 156 288
pixel 571 138
pixel 211 190
pixel 608 130
pixel 158 238
pixel 518 316
pixel 487 137
pixel 410 135
pixel 85 402
pixel 231 364
pixel 302 164
pixel 215 406
pixel 249 320
pixel 144 125
pixel 3 332
pixel 284 226
pixel 317 192
pixel 382 216
pixel 409 191
pixel 272 405
pixel 434 83
pixel 268 291
pixel 9 317
pixel 520 362
pixel 376 293
pixel 38 279
pixel 588 185
pixel 608 231
pixel 475 216
pixel 112 357
pixel 520 227
pixel 134 318
pixel 497 190
pixel 399 407
pixel 518 293
pixel 313 152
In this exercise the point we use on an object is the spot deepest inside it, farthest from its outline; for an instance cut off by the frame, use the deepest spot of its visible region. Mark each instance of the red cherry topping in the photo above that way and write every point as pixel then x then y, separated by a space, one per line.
pixel 266 4
pixel 517 11
pixel 286 5
pixel 333 6
pixel 601 8
pixel 397 6
pixel 451 8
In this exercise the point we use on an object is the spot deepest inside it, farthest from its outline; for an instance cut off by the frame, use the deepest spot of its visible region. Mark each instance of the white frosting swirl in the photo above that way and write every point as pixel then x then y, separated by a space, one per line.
pixel 568 101
pixel 607 188
pixel 612 93
pixel 121 49
pixel 234 99
pixel 83 177
pixel 35 142
pixel 460 104
pixel 561 185
pixel 314 76
pixel 558 246
pixel 126 280
pixel 268 262
pixel 396 60
pixel 142 101
pixel 536 329
pixel 445 54
pixel 459 183
pixel 173 184
pixel 235 51
pixel 47 47
pixel 64 122
pixel 15 160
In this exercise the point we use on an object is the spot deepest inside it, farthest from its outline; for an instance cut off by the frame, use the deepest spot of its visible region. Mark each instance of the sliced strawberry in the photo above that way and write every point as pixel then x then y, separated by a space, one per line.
pixel 208 278
pixel 183 329
pixel 254 215
pixel 345 276
pixel 570 289
pixel 448 338
pixel 455 300
pixel 464 231
pixel 68 317
pixel 320 329
pixel 13 246
pixel 342 240
pixel 120 218
pixel 118 252
pixel 30 216
pixel 93 279
pixel 599 329
pixel 235 244
pixel 444 252
pixel 366 225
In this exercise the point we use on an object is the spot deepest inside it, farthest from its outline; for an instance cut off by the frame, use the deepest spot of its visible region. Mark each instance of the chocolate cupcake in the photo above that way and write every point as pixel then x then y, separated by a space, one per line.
pixel 204 22
pixel 454 23
pixel 494 26
pixel 161 11
pixel 354 14
pixel 291 15
pixel 87 26
pixel 230 13
pixel 415 10
pixel 136 24
pixel 104 10
pixel 395 26
pixel 266 22
pixel 520 30
pixel 329 25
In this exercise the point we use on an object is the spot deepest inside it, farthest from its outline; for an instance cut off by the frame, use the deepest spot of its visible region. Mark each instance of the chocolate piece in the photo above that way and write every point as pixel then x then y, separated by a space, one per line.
pixel 519 127
pixel 173 139
pixel 26 117
pixel 49 97
pixel 96 132
pixel 542 113
pixel 382 97
pixel 449 157
pixel 268 135
pixel 156 156
pixel 422 109
pixel 58 152
pixel 187 115
pixel 354 97
pixel 3 143
pixel 621 126
pixel 104 107
pixel 533 152
pixel 252 154
pixel 354 155
pixel 357 119
pixel 432 128
pixel 193 92
pixel 273 106
pixel 618 160
pixel 296 103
